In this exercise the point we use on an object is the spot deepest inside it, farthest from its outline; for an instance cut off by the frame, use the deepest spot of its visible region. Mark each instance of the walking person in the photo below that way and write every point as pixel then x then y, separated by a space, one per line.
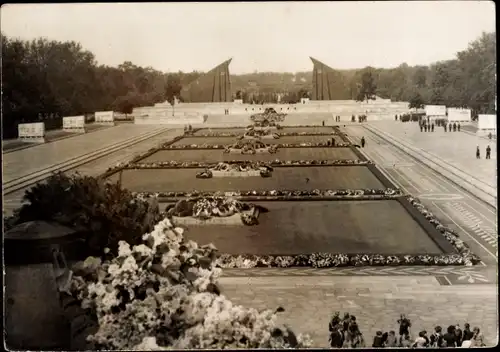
pixel 489 136
pixel 445 128
pixel 432 128
pixel 363 142
pixel 458 127
pixel 454 127
pixel 478 153
pixel 488 152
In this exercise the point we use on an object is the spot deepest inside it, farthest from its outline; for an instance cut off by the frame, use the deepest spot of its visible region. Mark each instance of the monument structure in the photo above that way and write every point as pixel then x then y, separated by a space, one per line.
pixel 212 87
pixel 328 83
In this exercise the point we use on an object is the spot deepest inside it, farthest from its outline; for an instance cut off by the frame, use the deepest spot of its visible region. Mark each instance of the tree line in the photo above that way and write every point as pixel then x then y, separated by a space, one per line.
pixel 44 76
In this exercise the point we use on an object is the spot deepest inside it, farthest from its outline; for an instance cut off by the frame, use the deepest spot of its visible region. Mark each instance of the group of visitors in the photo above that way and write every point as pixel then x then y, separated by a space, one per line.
pixel 188 129
pixel 345 333
pixel 488 152
pixel 454 126
pixel 337 118
pixel 226 111
pixel 426 128
pixel 361 118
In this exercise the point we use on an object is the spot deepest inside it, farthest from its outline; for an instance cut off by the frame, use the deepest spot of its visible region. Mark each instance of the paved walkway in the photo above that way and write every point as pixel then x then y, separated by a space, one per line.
pixel 456 148
pixel 30 160
pixel 377 302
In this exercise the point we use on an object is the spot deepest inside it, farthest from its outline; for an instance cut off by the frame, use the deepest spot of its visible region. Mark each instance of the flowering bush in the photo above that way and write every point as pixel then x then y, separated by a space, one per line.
pixel 328 260
pixel 207 207
pixel 163 294
pixel 280 134
pixel 227 170
pixel 386 193
pixel 468 257
pixel 278 145
pixel 275 163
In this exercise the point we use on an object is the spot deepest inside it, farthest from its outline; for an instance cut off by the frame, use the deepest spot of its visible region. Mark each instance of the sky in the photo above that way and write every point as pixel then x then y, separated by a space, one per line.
pixel 259 36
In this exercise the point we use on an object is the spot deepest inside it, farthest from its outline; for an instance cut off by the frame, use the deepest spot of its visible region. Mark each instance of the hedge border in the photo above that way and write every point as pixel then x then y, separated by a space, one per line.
pixel 276 163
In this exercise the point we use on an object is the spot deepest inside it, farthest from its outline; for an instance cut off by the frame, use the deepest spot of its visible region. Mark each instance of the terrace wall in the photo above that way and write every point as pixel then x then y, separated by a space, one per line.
pixel 319 110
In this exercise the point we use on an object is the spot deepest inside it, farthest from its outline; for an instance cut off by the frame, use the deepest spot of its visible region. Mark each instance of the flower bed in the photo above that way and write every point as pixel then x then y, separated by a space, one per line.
pixel 164 292
pixel 280 134
pixel 279 145
pixel 276 163
pixel 343 194
pixel 248 169
pixel 214 210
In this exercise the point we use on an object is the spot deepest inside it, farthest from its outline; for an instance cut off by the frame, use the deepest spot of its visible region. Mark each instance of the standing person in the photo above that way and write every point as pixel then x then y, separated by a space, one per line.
pixel 392 340
pixel 378 340
pixel 449 127
pixel 445 128
pixel 449 338
pixel 467 333
pixel 489 135
pixel 458 335
pixel 404 326
pixel 345 323
pixel 478 153
pixel 420 341
pixel 436 339
pixel 335 321
pixel 432 127
pixel 454 127
pixel 488 152
pixel 421 128
pixel 458 127
pixel 477 339
pixel 336 337
pixel 363 142
pixel 425 128
pixel 333 142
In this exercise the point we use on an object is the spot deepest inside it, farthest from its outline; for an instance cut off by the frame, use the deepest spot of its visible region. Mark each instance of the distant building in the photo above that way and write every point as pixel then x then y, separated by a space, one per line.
pixel 328 83
pixel 214 86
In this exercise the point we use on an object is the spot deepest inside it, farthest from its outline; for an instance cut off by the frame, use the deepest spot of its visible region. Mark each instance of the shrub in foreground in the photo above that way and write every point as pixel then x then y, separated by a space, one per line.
pixel 105 210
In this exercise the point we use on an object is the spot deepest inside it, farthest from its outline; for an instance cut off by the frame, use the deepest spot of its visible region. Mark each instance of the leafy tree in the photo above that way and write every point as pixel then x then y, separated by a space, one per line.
pixel 368 87
pixel 173 88
pixel 416 102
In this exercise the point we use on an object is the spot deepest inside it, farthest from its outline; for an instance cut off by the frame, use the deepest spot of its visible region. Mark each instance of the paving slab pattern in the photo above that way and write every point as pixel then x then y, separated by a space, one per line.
pixel 377 302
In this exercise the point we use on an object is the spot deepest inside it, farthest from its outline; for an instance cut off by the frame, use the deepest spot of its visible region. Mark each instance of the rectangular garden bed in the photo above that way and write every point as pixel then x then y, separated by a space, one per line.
pixel 282 154
pixel 348 227
pixel 231 140
pixel 291 178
